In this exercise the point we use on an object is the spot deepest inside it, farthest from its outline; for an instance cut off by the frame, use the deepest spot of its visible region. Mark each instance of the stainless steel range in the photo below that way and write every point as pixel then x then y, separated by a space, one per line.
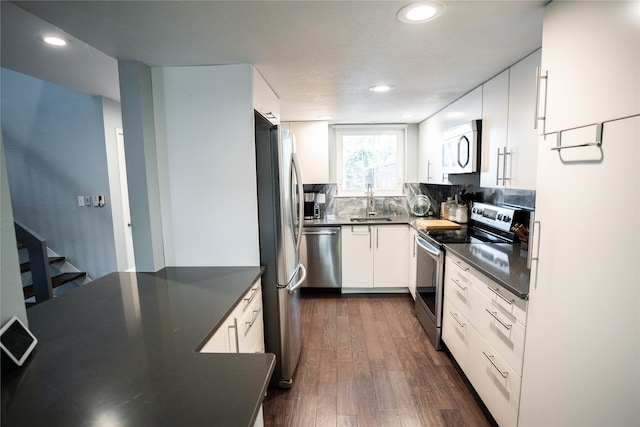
pixel 489 224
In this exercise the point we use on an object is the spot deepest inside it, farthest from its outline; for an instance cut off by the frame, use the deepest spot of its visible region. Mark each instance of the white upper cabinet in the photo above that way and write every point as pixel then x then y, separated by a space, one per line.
pixel 265 101
pixel 312 147
pixel 509 139
pixel 578 51
pixel 430 151
pixel 495 114
pixel 465 109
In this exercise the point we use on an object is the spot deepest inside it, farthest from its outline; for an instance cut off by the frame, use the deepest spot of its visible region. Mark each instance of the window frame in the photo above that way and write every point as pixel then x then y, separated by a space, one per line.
pixel 399 130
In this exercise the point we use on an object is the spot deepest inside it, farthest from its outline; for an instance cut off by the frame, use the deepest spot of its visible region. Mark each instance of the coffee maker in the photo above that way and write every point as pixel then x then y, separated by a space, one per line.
pixel 311 209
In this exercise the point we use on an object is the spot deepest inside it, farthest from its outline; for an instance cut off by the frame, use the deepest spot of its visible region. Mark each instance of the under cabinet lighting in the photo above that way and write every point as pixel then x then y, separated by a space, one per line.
pixel 54 40
pixel 419 12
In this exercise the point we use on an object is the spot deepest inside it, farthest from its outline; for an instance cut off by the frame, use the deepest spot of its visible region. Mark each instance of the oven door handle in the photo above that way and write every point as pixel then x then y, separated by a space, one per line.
pixel 428 247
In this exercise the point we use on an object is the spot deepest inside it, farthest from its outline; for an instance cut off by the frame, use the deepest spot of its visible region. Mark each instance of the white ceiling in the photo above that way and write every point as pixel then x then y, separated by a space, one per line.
pixel 320 57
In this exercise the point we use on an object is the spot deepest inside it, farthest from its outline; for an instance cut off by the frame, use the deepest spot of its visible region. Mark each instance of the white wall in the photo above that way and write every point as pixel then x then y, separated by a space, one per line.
pixel 143 176
pixel 112 121
pixel 55 149
pixel 206 163
pixel 11 298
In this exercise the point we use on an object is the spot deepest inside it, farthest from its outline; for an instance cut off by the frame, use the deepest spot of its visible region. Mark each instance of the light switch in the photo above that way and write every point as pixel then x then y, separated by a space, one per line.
pixel 87 200
pixel 80 200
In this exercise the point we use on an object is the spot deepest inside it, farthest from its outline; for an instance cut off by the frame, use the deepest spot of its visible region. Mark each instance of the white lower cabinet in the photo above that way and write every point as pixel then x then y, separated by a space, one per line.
pixel 486 337
pixel 243 330
pixel 374 256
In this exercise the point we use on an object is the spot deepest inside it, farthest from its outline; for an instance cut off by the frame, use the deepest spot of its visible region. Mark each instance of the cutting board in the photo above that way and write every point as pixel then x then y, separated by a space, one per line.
pixel 437 224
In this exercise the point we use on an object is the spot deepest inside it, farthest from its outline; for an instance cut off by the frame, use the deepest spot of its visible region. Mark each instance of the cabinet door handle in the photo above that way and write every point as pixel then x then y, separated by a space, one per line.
pixel 250 323
pixel 537 257
pixel 377 238
pixel 458 283
pixel 429 171
pixel 536 116
pixel 455 317
pixel 497 292
pixel 235 328
pixel 503 374
pixel 494 314
pixel 504 155
pixel 462 267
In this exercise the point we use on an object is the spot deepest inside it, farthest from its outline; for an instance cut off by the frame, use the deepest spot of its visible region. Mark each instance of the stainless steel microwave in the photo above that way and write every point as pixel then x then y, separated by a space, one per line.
pixel 461 148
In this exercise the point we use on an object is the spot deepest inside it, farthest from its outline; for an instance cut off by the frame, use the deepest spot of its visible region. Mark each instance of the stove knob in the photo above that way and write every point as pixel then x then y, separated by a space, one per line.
pixel 499 217
pixel 506 218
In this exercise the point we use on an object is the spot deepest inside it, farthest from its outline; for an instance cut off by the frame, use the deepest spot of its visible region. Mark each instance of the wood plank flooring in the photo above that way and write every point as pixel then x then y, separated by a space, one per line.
pixel 366 361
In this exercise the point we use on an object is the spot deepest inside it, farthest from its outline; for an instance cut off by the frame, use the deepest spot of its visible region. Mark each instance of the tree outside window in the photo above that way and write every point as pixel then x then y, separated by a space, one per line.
pixel 370 157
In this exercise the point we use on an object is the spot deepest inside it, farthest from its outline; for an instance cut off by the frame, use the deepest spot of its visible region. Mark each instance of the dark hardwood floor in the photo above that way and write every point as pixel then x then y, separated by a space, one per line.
pixel 367 362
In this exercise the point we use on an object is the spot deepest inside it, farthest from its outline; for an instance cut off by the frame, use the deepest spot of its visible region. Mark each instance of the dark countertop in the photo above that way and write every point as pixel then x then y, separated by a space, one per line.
pixel 505 263
pixel 121 351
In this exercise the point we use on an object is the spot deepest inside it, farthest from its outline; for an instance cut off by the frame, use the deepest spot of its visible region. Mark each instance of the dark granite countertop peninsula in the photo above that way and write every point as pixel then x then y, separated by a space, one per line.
pixel 121 350
pixel 504 263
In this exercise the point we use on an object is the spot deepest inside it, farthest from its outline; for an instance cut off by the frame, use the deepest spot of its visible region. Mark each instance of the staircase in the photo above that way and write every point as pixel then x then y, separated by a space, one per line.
pixel 43 270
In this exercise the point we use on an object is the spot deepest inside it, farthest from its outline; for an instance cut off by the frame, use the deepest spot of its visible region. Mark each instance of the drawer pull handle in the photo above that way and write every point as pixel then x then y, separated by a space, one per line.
pixel 494 314
pixel 254 292
pixel 455 316
pixel 497 292
pixel 235 334
pixel 458 283
pixel 253 319
pixel 503 374
pixel 462 267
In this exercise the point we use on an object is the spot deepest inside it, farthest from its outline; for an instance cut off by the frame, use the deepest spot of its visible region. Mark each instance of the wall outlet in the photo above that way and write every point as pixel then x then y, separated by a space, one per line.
pixel 80 200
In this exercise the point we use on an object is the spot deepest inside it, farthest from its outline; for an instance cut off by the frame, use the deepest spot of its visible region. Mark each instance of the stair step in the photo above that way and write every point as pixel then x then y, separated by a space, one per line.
pixel 56 281
pixel 26 266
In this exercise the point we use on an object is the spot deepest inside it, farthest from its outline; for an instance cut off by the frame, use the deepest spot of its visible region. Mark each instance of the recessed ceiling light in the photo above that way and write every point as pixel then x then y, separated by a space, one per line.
pixel 407 116
pixel 325 117
pixel 423 11
pixel 380 88
pixel 54 41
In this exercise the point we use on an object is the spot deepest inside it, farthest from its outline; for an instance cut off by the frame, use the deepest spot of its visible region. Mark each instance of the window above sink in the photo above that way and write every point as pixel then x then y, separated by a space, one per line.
pixel 370 154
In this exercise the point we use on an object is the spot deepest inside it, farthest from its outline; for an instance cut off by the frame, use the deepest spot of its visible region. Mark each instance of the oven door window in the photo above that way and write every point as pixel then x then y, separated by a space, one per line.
pixel 427 280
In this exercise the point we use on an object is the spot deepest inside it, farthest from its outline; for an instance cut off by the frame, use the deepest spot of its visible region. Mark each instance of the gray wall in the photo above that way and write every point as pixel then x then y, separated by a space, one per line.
pixel 11 299
pixel 54 141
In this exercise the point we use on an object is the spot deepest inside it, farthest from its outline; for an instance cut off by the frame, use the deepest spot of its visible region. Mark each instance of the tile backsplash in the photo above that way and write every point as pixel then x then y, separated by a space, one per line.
pixel 399 205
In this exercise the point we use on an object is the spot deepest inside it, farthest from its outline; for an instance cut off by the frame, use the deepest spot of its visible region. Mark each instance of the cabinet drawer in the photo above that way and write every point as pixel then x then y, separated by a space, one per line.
pixel 463 295
pixel 515 306
pixel 457 333
pixel 253 294
pixel 251 328
pixel 497 385
pixel 463 273
pixel 505 334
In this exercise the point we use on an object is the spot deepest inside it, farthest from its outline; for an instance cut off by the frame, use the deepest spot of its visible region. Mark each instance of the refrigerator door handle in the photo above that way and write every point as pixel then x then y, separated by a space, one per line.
pixel 293 288
pixel 298 178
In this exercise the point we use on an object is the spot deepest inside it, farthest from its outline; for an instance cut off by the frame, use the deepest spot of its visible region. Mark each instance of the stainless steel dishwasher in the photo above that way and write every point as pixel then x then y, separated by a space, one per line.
pixel 320 253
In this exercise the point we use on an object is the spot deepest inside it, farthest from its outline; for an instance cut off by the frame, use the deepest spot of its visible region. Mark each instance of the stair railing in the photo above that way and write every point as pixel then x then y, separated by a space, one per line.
pixel 37 249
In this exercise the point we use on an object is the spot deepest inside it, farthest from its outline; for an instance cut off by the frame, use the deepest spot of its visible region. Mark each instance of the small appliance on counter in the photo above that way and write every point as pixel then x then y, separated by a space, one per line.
pixel 310 206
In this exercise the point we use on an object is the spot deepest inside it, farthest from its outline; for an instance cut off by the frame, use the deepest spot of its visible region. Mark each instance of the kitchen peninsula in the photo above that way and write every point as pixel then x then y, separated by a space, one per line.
pixel 122 350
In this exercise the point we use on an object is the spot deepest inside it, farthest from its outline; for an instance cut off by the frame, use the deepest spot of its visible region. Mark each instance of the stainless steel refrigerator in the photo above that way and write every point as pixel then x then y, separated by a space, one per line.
pixel 280 214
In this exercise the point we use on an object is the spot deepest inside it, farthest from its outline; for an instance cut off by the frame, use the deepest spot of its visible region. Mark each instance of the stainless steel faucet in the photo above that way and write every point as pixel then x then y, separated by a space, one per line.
pixel 370 208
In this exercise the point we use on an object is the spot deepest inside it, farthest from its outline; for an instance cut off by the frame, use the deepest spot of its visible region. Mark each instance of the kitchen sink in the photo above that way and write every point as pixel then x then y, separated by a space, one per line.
pixel 370 218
